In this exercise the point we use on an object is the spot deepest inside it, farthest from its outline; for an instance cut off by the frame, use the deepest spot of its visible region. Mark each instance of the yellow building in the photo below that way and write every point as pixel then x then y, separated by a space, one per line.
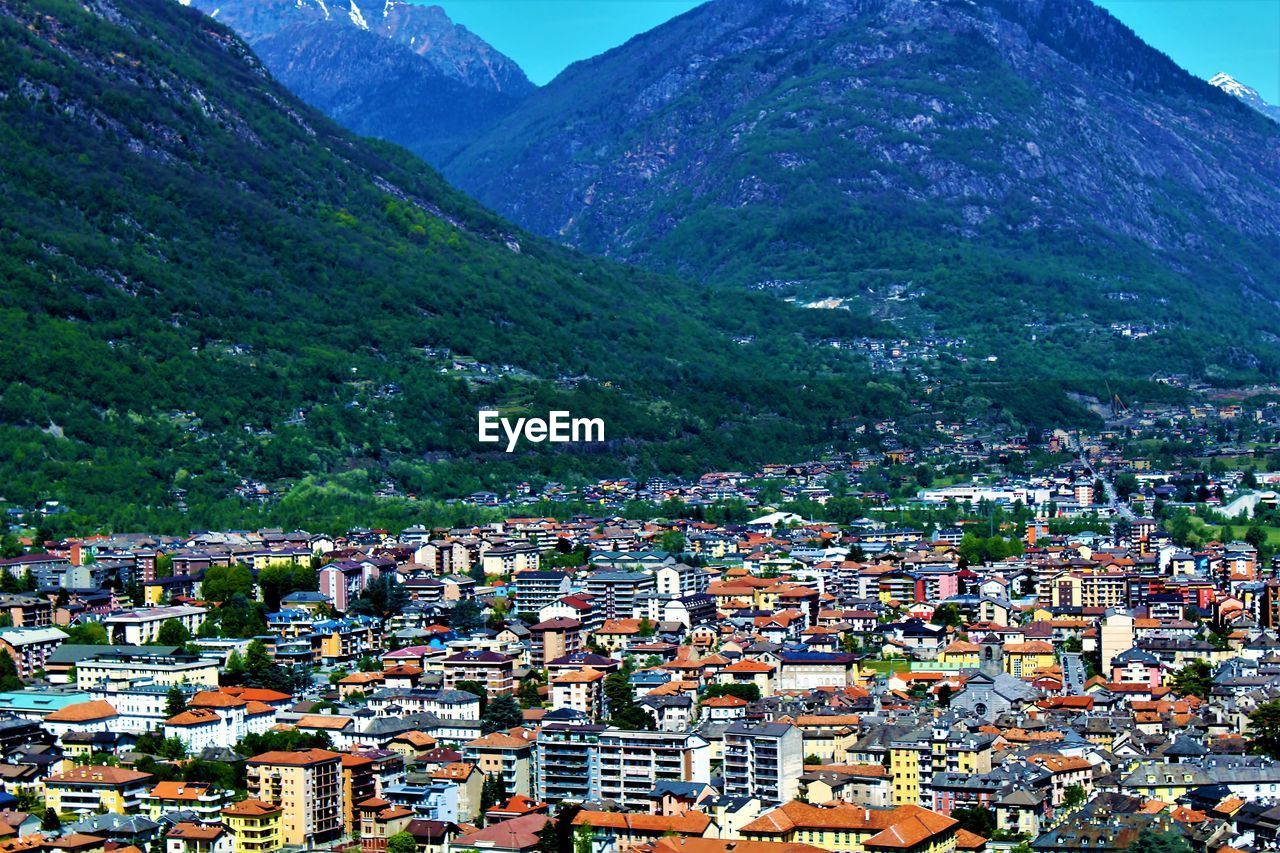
pixel 94 788
pixel 919 755
pixel 959 655
pixel 847 828
pixel 255 826
pixel 1024 660
pixel 307 785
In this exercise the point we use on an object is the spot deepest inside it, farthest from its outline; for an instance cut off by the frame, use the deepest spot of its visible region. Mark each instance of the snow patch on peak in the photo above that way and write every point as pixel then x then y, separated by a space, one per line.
pixel 1231 85
pixel 357 17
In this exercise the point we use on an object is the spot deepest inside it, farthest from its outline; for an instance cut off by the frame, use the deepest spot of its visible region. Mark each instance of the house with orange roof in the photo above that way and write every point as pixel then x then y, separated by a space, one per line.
pixel 92 716
pixel 308 785
pixel 516 806
pixel 725 707
pixel 687 844
pixel 379 820
pixel 166 797
pixel 507 755
pixel 412 746
pixel 629 830
pixel 256 826
pixel 1025 660
pixel 202 728
pixel 190 837
pixel 92 788
pixel 849 828
pixel 581 690
pixel 959 654
pixel 748 671
pixel 468 781
pixel 362 683
pixel 616 634
pixel 341 730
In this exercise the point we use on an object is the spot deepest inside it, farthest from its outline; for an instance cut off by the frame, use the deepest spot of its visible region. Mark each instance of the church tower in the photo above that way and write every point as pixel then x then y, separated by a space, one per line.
pixel 991 661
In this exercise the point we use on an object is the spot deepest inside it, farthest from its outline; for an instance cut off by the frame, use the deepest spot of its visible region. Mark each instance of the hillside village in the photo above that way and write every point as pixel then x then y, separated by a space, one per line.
pixel 1082 656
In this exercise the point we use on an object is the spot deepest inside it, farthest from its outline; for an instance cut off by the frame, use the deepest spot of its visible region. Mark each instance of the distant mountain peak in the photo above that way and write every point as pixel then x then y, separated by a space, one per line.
pixel 1247 94
pixel 1232 86
pixel 387 68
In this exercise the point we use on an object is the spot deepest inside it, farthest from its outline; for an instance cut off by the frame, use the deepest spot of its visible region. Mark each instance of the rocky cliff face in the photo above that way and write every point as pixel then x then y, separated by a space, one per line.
pixel 1022 163
pixel 394 70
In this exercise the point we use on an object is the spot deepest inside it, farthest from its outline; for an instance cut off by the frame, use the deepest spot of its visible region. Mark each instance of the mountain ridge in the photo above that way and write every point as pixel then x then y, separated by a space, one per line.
pixel 403 71
pixel 820 141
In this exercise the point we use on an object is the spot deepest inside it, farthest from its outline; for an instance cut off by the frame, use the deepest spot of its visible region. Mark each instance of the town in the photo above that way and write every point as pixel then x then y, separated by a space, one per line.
pixel 998 645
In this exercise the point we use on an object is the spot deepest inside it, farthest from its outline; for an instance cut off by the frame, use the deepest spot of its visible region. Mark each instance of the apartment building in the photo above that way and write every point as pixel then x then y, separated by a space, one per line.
pixel 580 690
pixel 615 594
pixel 492 669
pixel 307 785
pixel 126 667
pixel 631 763
pixel 30 648
pixel 95 788
pixel 567 762
pixel 536 590
pixel 510 558
pixel 255 825
pixel 506 756
pixel 763 760
pixel 141 626
pixel 554 638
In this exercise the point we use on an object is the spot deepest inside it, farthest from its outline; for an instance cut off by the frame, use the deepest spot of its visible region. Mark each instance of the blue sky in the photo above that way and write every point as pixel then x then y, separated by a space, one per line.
pixel 1241 37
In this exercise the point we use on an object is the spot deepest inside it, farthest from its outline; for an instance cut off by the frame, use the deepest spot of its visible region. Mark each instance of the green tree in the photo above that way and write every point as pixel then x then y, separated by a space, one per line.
pixel 466 617
pixel 382 597
pixel 87 634
pixel 475 688
pixel 172 633
pixel 948 615
pixel 976 819
pixel 234 671
pixel 175 701
pixel 261 671
pixel 528 694
pixel 275 582
pixel 672 541
pixel 1264 729
pixel 50 822
pixel 9 679
pixel 492 793
pixel 10 547
pixel 549 838
pixel 1150 841
pixel 502 713
pixel 220 583
pixel 624 712
pixel 749 692
pixel 1194 679
pixel 402 842
pixel 1074 796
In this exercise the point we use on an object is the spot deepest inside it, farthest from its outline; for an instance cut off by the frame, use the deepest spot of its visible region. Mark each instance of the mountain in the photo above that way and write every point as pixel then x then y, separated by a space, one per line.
pixel 1025 175
pixel 209 289
pixel 393 70
pixel 1247 94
